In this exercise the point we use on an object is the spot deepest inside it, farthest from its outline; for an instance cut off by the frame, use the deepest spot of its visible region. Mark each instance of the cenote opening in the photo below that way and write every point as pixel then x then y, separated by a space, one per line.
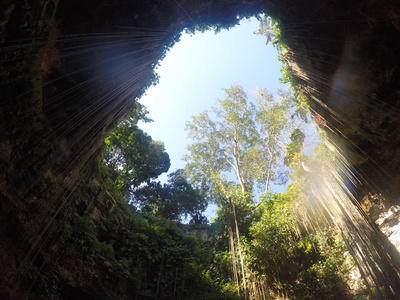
pixel 303 182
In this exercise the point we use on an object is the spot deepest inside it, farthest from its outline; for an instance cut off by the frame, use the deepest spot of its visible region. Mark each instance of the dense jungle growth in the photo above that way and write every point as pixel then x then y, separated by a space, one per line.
pixel 258 247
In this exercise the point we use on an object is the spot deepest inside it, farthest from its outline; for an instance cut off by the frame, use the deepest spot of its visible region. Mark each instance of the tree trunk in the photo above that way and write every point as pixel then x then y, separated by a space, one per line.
pixel 239 249
pixel 233 253
pixel 159 279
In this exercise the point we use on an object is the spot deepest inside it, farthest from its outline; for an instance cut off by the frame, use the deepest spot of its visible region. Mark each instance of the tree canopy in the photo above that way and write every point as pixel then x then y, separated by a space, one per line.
pixel 132 156
pixel 241 137
pixel 173 200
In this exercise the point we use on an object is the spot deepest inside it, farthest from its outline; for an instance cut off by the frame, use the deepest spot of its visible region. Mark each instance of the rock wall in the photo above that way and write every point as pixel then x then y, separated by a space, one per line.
pixel 347 64
pixel 69 70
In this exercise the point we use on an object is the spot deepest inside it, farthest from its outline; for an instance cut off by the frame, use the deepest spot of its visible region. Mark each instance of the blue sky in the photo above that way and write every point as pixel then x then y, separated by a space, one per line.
pixel 195 71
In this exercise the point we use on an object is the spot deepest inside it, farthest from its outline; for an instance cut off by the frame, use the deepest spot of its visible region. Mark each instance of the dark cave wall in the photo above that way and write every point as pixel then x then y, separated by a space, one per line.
pixel 59 98
pixel 72 69
pixel 347 64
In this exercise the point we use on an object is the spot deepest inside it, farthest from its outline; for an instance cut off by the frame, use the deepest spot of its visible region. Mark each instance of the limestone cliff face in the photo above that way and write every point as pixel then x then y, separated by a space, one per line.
pixel 70 69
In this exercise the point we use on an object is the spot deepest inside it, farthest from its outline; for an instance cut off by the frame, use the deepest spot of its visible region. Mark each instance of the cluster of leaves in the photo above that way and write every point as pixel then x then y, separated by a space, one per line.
pixel 270 27
pixel 242 137
pixel 172 200
pixel 131 155
pixel 295 146
pixel 295 265
pixel 153 256
pixel 132 160
pixel 160 260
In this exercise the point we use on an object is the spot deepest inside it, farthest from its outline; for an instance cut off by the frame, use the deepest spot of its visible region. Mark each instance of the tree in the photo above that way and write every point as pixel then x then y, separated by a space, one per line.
pixel 274 122
pixel 172 200
pixel 220 145
pixel 243 139
pixel 132 157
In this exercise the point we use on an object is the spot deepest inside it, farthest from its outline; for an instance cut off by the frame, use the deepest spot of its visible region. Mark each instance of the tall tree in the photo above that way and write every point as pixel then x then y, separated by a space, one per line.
pixel 243 139
pixel 274 122
pixel 131 155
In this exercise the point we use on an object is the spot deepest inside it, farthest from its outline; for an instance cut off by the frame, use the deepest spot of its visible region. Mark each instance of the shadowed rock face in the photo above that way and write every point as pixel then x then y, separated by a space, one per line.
pixel 348 65
pixel 345 59
pixel 70 69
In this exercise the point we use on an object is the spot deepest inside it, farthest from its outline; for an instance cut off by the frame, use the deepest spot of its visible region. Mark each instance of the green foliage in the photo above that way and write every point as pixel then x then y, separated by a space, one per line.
pixel 145 247
pixel 262 244
pixel 295 146
pixel 226 218
pixel 146 252
pixel 186 261
pixel 44 281
pixel 241 138
pixel 84 235
pixel 172 200
pixel 269 27
pixel 296 265
pixel 209 271
pixel 132 157
pixel 219 144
